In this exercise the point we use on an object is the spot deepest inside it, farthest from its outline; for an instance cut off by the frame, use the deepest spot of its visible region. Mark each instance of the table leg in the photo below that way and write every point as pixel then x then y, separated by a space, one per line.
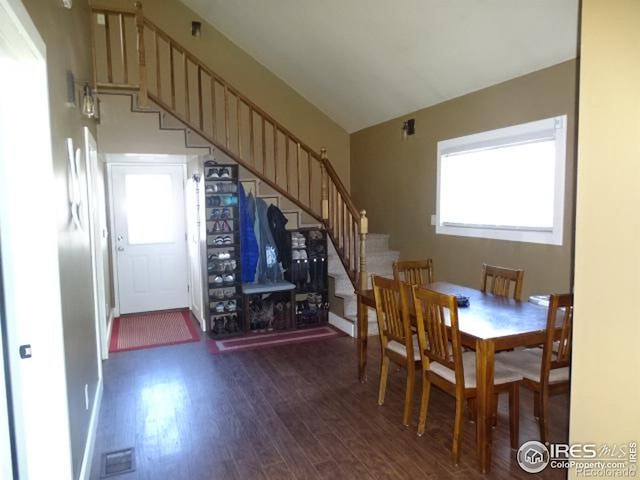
pixel 362 334
pixel 485 350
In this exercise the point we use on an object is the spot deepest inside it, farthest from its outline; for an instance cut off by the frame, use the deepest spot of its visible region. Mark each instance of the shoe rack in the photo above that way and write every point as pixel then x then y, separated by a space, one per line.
pixel 224 306
pixel 309 274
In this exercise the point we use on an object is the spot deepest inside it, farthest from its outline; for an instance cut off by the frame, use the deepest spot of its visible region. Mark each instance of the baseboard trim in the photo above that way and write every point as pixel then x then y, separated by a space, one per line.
pixel 342 324
pixel 112 316
pixel 85 469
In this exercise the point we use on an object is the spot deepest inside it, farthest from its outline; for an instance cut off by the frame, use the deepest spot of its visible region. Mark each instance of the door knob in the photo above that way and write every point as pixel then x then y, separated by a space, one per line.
pixel 121 249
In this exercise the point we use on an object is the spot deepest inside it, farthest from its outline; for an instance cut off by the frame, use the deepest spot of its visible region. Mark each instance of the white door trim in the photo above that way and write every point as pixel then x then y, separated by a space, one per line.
pixel 112 220
pixel 28 225
pixel 96 240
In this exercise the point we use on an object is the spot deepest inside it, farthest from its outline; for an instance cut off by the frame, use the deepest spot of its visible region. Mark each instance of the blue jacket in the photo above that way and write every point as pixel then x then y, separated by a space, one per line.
pixel 248 242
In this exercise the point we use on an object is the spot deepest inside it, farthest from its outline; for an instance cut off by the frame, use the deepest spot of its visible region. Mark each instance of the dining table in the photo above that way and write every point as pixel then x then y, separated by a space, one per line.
pixel 489 324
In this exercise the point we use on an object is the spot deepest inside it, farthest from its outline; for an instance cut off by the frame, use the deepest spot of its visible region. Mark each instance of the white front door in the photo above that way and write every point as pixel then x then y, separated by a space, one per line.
pixel 149 237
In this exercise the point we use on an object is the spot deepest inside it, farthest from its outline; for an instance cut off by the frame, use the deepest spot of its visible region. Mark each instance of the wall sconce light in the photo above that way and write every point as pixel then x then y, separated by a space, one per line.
pixel 67 4
pixel 408 128
pixel 88 102
pixel 196 28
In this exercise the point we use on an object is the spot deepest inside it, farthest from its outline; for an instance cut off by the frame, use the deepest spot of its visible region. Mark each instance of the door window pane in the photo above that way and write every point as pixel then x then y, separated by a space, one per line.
pixel 149 208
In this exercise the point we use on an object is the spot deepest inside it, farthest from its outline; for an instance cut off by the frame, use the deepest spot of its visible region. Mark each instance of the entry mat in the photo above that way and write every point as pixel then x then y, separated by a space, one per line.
pixel 267 340
pixel 154 329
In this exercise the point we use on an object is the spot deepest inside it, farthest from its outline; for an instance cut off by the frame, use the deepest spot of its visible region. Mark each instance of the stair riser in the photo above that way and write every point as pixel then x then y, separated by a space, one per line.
pixel 374 265
pixel 377 243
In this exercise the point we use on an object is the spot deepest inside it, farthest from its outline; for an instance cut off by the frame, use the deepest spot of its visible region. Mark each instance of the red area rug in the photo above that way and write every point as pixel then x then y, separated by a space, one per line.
pixel 154 329
pixel 266 340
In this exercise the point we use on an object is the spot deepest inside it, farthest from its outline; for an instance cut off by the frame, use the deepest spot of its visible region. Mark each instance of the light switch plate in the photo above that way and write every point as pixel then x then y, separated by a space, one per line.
pixel 433 219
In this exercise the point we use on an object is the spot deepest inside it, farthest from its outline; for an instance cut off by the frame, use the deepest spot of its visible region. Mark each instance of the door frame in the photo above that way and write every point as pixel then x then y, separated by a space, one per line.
pixel 38 385
pixel 112 220
pixel 97 239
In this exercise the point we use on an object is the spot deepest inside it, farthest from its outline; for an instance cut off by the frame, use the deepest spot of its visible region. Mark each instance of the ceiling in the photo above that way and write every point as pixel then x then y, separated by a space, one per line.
pixel 366 61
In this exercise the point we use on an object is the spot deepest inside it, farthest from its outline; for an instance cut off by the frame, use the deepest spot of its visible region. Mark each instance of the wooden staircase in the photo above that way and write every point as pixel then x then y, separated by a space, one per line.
pixel 158 72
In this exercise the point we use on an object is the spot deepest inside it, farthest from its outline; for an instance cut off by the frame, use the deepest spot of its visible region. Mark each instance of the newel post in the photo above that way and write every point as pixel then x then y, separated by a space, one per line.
pixel 142 63
pixel 364 230
pixel 324 186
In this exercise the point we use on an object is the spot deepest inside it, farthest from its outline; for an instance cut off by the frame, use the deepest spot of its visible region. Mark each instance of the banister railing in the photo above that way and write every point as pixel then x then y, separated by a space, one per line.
pixel 131 53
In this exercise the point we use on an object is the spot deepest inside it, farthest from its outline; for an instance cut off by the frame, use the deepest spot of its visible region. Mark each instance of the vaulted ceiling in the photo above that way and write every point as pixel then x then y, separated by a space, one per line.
pixel 366 61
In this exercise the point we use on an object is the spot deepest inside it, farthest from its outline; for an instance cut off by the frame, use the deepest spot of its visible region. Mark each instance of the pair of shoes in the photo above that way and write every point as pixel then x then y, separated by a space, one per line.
pixel 215 173
pixel 222 294
pixel 220 226
pixel 298 240
pixel 315 235
pixel 225 240
pixel 223 280
pixel 219 256
pixel 220 214
pixel 299 255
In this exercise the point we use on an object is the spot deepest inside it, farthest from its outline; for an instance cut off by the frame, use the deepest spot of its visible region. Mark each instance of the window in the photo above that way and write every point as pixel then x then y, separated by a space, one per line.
pixel 149 208
pixel 505 184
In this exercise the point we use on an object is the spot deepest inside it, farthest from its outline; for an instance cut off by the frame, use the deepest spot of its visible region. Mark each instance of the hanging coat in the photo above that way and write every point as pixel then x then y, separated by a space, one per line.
pixel 268 270
pixel 277 223
pixel 248 242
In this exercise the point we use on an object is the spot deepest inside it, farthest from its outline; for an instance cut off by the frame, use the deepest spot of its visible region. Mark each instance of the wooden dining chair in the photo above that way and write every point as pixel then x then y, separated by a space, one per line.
pixel 445 365
pixel 498 281
pixel 546 370
pixel 397 342
pixel 414 272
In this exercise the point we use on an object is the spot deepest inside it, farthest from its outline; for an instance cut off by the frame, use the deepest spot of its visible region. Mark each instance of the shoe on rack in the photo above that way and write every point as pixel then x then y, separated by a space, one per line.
pixel 229 278
pixel 295 254
pixel 230 306
pixel 219 308
pixel 227 240
pixel 229 200
pixel 212 173
pixel 218 280
pixel 303 255
pixel 225 173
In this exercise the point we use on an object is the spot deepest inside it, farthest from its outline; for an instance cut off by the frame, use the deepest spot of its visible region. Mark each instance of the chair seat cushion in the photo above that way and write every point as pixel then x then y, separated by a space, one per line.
pixel 501 374
pixel 400 349
pixel 528 363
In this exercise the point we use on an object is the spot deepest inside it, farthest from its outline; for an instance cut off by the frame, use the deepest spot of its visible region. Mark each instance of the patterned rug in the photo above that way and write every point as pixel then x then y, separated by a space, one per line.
pixel 266 340
pixel 154 329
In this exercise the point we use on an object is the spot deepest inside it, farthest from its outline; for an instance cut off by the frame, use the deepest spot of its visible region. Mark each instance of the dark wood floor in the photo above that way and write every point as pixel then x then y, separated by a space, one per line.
pixel 288 412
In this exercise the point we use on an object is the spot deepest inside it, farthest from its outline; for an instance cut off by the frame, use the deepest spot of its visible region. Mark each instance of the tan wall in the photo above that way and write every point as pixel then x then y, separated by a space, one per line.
pixel 250 78
pixel 605 390
pixel 123 131
pixel 395 180
pixel 67 35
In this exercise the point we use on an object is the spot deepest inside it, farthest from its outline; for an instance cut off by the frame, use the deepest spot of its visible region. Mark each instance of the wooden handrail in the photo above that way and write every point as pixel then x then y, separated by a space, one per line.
pixel 339 185
pixel 346 225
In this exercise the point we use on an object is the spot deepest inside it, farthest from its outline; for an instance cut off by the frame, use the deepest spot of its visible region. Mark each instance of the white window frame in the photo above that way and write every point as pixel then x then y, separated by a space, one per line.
pixel 556 128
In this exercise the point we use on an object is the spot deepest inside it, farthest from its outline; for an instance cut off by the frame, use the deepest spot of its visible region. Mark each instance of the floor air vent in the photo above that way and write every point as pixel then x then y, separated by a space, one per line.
pixel 118 462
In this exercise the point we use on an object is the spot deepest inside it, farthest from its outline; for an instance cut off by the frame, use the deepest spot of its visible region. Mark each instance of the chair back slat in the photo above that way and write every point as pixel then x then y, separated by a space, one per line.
pixel 437 342
pixel 393 320
pixel 498 281
pixel 414 272
pixel 557 347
